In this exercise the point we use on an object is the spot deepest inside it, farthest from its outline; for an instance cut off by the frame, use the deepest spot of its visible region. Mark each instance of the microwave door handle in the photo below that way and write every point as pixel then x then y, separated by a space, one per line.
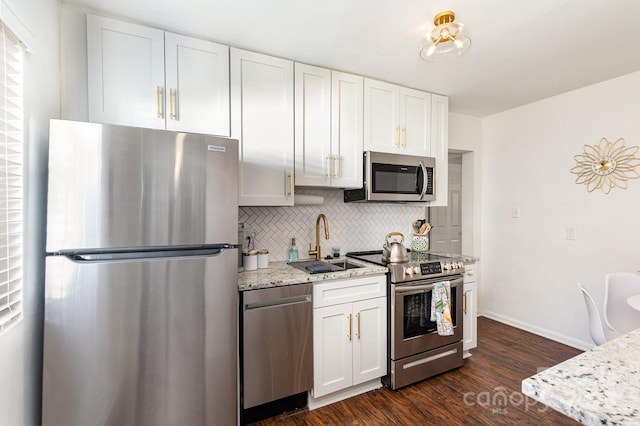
pixel 424 180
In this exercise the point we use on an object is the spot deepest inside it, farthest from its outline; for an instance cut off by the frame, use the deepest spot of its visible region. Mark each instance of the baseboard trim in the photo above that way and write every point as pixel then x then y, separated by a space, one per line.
pixel 557 337
pixel 343 394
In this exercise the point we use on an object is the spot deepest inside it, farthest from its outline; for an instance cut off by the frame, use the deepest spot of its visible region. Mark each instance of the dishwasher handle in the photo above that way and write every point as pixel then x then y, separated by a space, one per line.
pixel 279 302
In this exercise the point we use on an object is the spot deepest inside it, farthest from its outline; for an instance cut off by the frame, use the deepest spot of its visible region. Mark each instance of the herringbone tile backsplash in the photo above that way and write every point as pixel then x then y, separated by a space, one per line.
pixel 352 226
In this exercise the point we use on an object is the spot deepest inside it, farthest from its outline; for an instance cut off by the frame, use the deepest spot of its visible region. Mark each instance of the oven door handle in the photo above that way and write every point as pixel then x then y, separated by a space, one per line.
pixel 424 180
pixel 404 289
pixel 414 288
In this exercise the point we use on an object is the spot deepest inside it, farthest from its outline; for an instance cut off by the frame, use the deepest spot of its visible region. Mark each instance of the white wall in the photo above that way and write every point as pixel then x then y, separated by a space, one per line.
pixel 530 270
pixel 20 347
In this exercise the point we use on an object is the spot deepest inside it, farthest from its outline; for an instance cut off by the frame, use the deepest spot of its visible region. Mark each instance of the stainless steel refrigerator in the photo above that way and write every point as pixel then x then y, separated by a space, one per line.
pixel 141 277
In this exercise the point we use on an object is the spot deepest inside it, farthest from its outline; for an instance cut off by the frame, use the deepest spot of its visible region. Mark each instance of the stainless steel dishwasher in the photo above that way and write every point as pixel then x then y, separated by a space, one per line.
pixel 277 344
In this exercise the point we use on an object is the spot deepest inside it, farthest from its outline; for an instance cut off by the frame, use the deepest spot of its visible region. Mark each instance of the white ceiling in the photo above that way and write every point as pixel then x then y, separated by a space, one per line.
pixel 521 51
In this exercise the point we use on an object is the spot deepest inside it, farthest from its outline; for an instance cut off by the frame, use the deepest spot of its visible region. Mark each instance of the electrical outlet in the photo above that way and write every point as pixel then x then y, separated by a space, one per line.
pixel 515 212
pixel 570 233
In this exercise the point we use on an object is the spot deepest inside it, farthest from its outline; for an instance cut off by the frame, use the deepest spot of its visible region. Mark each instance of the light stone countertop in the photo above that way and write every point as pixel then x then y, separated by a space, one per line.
pixel 282 274
pixel 597 387
pixel 467 259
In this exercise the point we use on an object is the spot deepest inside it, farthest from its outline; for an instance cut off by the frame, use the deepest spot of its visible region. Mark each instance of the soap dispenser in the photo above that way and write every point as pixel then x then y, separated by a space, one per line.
pixel 293 251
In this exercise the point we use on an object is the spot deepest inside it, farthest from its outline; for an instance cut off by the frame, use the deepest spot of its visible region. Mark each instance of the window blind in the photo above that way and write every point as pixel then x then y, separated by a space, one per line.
pixel 11 179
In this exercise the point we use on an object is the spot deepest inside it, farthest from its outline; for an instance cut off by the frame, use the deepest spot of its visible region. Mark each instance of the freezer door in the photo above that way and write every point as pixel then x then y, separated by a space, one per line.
pixel 114 186
pixel 141 343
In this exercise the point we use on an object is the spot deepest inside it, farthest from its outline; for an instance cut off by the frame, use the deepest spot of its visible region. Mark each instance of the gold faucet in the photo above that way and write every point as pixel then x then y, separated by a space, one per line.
pixel 326 233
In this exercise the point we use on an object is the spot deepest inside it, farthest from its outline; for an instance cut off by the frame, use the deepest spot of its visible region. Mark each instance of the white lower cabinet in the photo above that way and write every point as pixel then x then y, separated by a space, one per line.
pixel 470 310
pixel 349 336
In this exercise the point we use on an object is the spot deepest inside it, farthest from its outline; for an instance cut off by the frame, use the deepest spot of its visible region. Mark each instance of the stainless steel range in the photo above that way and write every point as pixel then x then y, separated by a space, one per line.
pixel 415 349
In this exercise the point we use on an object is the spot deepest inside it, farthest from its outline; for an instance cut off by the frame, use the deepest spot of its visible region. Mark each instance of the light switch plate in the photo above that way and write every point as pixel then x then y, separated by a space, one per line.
pixel 515 212
pixel 570 233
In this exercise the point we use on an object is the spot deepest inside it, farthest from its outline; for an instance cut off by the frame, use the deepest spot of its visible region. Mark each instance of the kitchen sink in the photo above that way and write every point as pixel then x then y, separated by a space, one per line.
pixel 321 267
pixel 345 264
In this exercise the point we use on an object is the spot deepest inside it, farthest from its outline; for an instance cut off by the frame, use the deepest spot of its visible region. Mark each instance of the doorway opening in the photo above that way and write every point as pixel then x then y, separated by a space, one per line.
pixel 452 230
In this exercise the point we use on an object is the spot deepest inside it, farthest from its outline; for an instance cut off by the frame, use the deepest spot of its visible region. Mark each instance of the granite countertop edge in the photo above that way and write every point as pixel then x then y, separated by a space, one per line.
pixel 280 274
pixel 597 387
pixel 467 259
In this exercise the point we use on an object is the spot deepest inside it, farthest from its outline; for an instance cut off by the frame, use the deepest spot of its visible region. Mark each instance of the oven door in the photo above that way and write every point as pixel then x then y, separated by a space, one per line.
pixel 412 330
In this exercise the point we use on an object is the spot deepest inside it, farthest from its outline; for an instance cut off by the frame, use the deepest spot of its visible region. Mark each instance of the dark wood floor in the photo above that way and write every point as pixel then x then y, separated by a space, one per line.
pixel 485 391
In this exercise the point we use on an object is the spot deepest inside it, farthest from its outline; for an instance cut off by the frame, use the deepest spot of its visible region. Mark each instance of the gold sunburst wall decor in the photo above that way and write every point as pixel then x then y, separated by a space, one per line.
pixel 606 165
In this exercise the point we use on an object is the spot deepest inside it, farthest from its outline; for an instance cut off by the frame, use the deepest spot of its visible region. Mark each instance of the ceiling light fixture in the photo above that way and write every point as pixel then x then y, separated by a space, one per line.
pixel 446 39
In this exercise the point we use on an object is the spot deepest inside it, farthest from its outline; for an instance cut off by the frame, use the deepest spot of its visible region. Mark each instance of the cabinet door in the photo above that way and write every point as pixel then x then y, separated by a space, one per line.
pixel 347 133
pixel 440 146
pixel 262 121
pixel 332 349
pixel 125 73
pixel 197 77
pixel 370 339
pixel 470 308
pixel 381 116
pixel 470 313
pixel 415 122
pixel 313 125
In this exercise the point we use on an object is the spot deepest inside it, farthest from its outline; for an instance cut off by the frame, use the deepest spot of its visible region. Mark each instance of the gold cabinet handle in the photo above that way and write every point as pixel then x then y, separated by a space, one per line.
pixel 464 304
pixel 358 332
pixel 290 178
pixel 398 136
pixel 404 137
pixel 328 166
pixel 349 319
pixel 172 103
pixel 336 165
pixel 159 101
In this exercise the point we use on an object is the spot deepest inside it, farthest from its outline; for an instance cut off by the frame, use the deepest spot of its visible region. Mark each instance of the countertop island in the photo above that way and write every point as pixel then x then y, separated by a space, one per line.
pixel 597 387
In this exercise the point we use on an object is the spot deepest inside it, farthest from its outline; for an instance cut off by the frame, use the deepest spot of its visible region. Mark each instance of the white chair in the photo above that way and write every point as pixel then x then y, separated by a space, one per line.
pixel 619 316
pixel 596 328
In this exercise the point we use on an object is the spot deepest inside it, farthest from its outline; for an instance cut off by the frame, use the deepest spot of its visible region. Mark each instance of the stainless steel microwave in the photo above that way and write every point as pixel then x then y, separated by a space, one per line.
pixel 395 177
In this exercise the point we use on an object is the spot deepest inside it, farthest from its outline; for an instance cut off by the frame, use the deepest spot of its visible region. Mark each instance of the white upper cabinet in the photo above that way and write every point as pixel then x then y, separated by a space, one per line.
pixel 125 73
pixel 397 119
pixel 197 77
pixel 328 123
pixel 415 122
pixel 262 121
pixel 381 116
pixel 313 125
pixel 128 65
pixel 347 117
pixel 440 147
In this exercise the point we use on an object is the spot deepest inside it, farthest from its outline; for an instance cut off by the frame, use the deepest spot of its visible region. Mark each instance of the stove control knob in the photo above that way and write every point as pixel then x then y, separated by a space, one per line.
pixel 446 266
pixel 408 270
pixel 416 270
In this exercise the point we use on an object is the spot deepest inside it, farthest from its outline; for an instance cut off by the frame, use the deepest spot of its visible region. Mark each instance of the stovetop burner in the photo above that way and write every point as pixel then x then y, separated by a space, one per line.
pixel 420 265
pixel 375 256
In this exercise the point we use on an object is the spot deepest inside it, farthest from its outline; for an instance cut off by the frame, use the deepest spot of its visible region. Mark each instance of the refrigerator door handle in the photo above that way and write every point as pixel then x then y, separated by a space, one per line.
pixel 141 255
